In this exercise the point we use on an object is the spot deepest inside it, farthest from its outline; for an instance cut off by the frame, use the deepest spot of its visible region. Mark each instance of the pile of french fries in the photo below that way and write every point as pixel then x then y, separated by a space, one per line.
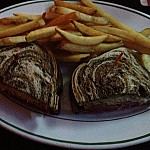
pixel 78 30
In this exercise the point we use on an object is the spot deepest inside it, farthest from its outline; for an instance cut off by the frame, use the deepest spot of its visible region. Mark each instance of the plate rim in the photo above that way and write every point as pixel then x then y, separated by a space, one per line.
pixel 62 143
pixel 39 138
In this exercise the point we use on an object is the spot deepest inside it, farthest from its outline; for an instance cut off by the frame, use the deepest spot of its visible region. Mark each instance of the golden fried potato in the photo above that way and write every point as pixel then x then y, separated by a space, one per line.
pixel 129 38
pixel 13 20
pixel 28 16
pixel 97 49
pixel 41 33
pixel 80 8
pixel 92 32
pixel 71 57
pixel 101 12
pixel 12 40
pixel 80 16
pixel 22 28
pixel 63 19
pixel 81 40
pixel 146 32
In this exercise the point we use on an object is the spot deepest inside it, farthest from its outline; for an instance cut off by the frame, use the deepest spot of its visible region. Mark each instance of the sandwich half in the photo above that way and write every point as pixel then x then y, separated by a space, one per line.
pixel 116 80
pixel 30 75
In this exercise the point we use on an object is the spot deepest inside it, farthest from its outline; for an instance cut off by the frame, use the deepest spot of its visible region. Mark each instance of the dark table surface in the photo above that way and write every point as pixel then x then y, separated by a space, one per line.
pixel 9 140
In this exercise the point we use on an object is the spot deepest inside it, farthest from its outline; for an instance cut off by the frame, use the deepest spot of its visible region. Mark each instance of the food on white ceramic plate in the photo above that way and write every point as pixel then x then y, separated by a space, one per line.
pixel 113 81
pixel 145 59
pixel 62 19
pixel 29 74
pixel 76 32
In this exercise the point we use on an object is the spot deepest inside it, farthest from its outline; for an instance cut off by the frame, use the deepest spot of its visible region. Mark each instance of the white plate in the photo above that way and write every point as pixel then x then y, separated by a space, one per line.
pixel 108 130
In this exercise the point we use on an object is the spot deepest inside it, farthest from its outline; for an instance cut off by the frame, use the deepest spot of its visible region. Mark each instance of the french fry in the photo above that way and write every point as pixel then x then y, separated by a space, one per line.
pixel 12 40
pixel 40 33
pixel 71 57
pixel 97 49
pixel 28 16
pixel 98 31
pixel 68 26
pixel 146 32
pixel 83 9
pixel 114 31
pixel 63 19
pixel 81 40
pixel 101 12
pixel 4 27
pixel 92 32
pixel 85 29
pixel 138 38
pixel 93 19
pixel 55 37
pixel 93 24
pixel 58 37
pixel 135 46
pixel 22 28
pixel 145 59
pixel 61 10
pixel 104 47
pixel 80 16
pixel 40 23
pixel 13 20
pixel 141 40
pixel 50 15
